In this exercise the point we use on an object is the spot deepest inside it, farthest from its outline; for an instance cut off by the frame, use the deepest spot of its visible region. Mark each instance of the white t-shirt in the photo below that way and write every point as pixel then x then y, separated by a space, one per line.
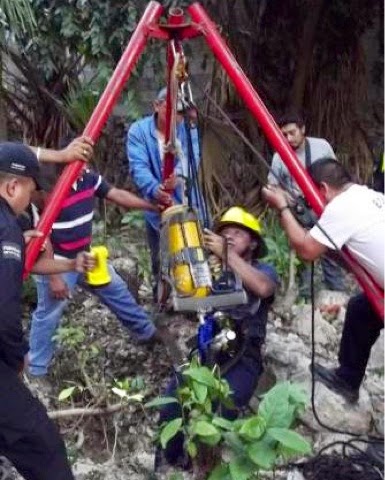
pixel 355 218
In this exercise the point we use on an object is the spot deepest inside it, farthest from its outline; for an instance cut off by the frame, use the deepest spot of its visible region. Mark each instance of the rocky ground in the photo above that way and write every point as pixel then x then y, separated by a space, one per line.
pixel 120 446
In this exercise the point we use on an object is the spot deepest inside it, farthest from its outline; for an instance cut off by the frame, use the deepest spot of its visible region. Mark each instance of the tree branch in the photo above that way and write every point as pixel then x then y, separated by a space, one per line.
pixel 86 412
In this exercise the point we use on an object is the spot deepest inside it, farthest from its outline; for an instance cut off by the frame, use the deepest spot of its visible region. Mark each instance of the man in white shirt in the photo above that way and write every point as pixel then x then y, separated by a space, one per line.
pixel 308 151
pixel 353 217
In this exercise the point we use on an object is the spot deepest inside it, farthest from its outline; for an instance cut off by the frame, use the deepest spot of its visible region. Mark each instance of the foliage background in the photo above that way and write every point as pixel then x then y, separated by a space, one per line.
pixel 325 58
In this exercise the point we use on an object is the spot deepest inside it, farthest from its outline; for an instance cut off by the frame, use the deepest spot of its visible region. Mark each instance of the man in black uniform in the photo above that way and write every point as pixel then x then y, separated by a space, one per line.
pixel 27 437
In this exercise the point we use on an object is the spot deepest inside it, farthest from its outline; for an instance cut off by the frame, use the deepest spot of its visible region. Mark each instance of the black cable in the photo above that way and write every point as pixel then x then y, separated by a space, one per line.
pixel 193 174
pixel 203 169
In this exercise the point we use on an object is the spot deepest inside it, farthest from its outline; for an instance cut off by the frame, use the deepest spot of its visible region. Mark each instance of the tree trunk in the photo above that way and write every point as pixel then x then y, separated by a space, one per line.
pixel 305 52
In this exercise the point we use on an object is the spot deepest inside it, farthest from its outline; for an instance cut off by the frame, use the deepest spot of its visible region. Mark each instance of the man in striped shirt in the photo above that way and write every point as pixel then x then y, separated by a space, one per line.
pixel 71 233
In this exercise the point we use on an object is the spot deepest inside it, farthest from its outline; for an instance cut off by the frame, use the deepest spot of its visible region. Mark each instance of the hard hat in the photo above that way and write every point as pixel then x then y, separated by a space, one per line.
pixel 239 216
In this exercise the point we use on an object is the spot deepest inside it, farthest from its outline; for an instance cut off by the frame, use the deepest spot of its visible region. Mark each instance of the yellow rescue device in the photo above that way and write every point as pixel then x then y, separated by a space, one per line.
pixel 99 275
pixel 188 267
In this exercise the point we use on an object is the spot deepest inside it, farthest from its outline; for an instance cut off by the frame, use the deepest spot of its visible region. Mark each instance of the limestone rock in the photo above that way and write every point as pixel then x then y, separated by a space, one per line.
pixel 325 333
pixel 331 297
pixel 376 361
pixel 335 412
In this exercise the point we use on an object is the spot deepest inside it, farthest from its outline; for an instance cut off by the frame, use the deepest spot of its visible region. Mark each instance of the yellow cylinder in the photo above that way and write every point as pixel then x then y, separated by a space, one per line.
pixel 99 275
pixel 189 267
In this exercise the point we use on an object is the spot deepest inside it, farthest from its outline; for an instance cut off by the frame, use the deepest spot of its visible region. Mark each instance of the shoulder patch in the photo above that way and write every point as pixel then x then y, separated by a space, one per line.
pixel 10 250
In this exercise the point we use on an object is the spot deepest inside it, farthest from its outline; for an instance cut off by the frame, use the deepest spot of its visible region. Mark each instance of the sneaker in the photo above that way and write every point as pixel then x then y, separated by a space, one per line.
pixel 330 378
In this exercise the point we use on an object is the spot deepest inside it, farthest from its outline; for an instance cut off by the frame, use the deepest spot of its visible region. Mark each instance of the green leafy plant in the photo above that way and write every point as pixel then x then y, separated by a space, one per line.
pixel 251 444
pixel 134 218
pixel 73 339
pixel 128 390
pixel 278 249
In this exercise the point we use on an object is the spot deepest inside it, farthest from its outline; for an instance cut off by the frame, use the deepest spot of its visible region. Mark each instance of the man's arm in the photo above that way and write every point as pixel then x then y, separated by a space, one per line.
pixel 139 163
pixel 80 148
pixel 300 240
pixel 126 199
pixel 47 266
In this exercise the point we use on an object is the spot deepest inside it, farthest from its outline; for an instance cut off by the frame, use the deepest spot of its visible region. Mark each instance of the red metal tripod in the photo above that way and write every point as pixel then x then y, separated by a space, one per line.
pixel 174 31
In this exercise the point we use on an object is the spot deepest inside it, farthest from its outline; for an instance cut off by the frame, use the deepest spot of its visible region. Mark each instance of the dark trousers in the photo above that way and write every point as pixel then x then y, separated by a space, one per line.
pixel 361 329
pixel 242 377
pixel 333 276
pixel 28 438
pixel 153 243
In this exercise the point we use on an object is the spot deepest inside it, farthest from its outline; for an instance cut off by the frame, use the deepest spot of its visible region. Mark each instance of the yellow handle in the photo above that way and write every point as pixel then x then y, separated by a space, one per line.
pixel 99 275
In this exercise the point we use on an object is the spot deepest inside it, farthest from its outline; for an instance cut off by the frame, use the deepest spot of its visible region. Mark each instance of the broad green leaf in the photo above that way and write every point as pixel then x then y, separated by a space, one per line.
pixel 262 455
pixel 192 449
pixel 275 407
pixel 285 452
pixel 204 429
pixel 160 401
pixel 211 440
pixel 201 375
pixel 234 442
pixel 208 406
pixel 223 423
pixel 298 394
pixel 253 428
pixel 292 440
pixel 221 472
pixel 201 392
pixel 241 469
pixel 169 431
pixel 66 393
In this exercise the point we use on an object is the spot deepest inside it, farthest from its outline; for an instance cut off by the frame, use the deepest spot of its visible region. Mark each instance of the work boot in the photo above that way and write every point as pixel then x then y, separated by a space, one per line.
pixel 330 378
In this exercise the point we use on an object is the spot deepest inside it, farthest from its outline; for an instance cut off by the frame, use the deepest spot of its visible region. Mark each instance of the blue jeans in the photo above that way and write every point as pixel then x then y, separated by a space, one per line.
pixel 46 318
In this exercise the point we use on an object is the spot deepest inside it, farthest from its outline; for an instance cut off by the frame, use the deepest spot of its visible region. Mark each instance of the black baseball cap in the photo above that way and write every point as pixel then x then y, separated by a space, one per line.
pixel 19 159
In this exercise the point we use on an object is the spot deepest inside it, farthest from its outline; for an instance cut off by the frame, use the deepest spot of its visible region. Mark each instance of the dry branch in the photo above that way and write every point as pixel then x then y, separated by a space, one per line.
pixel 86 412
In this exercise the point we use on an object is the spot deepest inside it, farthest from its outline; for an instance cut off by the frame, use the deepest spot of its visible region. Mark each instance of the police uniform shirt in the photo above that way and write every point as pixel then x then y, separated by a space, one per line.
pixel 13 346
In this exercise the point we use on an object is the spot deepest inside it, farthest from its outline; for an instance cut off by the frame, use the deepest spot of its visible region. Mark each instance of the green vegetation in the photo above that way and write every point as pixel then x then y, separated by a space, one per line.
pixel 250 444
